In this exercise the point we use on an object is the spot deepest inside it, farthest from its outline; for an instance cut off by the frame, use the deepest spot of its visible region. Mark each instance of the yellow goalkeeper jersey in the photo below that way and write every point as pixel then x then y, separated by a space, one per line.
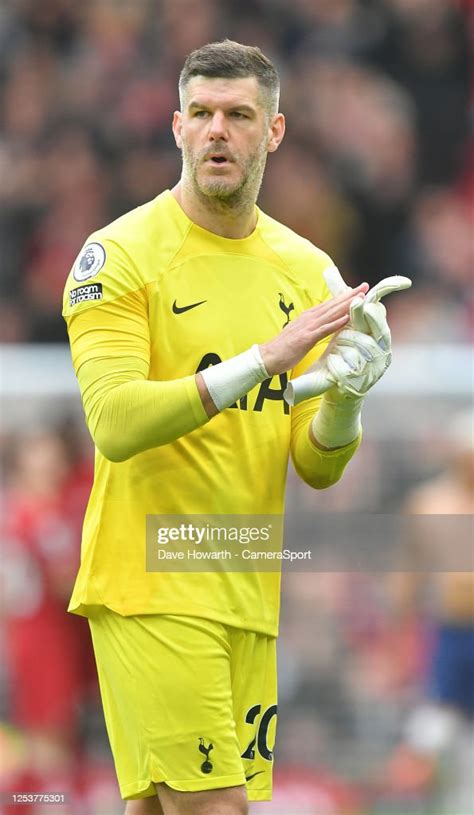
pixel 154 298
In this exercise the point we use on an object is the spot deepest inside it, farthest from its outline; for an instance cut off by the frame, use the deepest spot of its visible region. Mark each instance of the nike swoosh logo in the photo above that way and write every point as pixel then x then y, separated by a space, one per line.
pixel 249 777
pixel 181 309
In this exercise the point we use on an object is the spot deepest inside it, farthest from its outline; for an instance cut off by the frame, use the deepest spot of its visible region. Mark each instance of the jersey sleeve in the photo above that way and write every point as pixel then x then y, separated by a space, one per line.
pixel 318 468
pixel 106 311
pixel 105 305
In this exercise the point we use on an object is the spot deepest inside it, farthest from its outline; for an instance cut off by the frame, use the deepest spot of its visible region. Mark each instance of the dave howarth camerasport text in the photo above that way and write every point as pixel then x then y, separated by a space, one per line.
pixel 225 554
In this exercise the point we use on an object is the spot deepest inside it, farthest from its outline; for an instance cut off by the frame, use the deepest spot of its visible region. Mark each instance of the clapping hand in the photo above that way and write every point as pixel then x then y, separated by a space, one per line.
pixel 357 356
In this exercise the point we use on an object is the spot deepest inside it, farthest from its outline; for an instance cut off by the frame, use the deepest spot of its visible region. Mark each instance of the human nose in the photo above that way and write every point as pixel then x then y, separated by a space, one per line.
pixel 218 129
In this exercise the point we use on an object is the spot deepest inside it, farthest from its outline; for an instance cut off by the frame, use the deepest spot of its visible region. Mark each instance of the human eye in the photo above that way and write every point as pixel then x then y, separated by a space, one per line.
pixel 238 114
pixel 200 114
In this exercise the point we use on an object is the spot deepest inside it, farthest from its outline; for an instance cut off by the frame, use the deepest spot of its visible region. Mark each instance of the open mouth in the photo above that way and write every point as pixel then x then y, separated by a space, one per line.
pixel 218 159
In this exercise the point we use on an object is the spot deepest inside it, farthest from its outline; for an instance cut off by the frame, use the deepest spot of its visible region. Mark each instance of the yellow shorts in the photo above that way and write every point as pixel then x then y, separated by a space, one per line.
pixel 187 701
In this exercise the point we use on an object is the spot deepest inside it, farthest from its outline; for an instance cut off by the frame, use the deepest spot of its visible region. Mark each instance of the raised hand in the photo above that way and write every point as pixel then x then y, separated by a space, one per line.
pixel 285 350
pixel 360 354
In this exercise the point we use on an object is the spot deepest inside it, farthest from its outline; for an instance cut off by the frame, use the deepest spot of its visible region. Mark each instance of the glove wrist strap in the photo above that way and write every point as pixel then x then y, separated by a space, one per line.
pixel 338 421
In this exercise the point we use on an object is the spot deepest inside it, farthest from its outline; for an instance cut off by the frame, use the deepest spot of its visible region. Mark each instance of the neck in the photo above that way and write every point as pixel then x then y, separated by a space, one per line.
pixel 230 220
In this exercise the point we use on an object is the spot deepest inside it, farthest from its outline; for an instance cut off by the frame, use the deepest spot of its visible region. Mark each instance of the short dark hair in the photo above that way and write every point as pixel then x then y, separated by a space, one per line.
pixel 232 60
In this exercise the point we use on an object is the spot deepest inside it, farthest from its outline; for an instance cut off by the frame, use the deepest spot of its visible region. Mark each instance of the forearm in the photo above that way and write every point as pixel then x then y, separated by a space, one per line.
pixel 127 413
pixel 318 465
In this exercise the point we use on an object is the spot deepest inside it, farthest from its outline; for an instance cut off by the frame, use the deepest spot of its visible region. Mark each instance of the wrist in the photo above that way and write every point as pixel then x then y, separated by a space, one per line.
pixel 206 399
pixel 268 358
pixel 233 378
pixel 338 420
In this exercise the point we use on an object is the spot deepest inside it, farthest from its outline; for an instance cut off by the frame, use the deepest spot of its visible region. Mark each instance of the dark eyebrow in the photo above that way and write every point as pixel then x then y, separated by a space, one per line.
pixel 195 105
pixel 243 107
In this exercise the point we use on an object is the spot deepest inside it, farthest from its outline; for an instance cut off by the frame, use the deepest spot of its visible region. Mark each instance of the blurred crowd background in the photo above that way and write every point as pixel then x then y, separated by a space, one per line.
pixel 376 169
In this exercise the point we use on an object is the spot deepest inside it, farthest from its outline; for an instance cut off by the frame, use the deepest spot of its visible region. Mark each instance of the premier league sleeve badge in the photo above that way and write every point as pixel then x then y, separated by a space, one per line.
pixel 90 262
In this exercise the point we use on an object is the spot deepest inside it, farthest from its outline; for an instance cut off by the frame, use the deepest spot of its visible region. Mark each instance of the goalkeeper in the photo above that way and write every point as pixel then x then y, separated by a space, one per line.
pixel 190 319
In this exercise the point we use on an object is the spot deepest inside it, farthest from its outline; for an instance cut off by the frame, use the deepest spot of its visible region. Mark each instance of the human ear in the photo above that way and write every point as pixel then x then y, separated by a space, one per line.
pixel 276 132
pixel 176 127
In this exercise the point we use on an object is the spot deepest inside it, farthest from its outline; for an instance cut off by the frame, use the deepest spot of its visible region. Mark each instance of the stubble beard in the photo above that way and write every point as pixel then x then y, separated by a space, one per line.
pixel 220 196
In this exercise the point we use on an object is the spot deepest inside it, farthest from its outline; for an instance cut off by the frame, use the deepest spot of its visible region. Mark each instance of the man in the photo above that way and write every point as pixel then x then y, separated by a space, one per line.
pixel 184 321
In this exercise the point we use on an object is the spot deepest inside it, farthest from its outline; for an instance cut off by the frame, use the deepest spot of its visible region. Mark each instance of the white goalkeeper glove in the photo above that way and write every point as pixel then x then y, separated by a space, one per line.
pixel 356 362
pixel 359 355
pixel 353 362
